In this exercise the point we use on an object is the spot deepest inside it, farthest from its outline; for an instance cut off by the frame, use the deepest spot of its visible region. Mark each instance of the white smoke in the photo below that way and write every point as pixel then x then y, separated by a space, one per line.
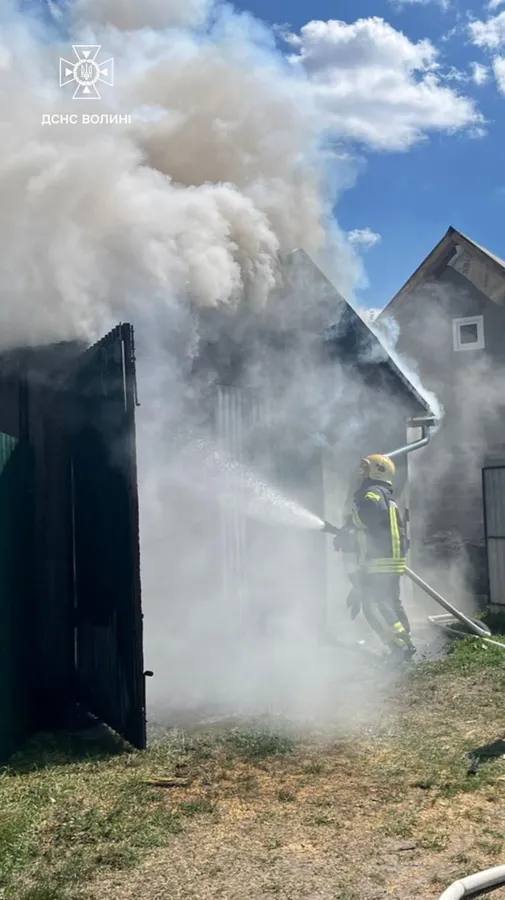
pixel 220 169
pixel 132 16
pixel 387 331
pixel 185 210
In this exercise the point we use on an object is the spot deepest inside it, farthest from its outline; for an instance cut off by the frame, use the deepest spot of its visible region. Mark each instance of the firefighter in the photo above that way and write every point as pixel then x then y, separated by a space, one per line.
pixel 377 529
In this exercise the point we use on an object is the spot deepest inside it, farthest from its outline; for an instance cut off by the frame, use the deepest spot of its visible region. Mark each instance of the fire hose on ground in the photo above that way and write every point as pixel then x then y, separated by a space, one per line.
pixel 476 628
pixel 474 885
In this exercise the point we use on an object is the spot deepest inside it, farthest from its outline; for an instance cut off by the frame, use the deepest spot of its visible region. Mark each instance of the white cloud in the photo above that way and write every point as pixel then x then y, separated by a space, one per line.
pixel 494 4
pixel 377 86
pixel 489 34
pixel 363 237
pixel 480 73
pixel 499 72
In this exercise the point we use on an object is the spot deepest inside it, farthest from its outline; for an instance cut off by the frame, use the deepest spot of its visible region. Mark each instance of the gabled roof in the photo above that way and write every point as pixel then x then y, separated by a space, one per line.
pixel 451 246
pixel 353 342
pixel 483 250
pixel 304 303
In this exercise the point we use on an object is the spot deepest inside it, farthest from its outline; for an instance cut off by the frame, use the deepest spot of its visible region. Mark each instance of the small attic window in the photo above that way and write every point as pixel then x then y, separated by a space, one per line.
pixel 468 334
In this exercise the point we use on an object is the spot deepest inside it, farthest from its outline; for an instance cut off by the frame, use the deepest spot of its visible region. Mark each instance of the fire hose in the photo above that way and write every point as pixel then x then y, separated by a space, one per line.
pixel 488 879
pixel 476 628
pixel 474 885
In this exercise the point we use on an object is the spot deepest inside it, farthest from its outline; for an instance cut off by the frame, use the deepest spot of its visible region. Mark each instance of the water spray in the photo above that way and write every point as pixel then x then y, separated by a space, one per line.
pixel 475 627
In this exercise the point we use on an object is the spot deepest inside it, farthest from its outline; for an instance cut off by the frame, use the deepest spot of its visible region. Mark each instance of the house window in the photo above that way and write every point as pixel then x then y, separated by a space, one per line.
pixel 468 334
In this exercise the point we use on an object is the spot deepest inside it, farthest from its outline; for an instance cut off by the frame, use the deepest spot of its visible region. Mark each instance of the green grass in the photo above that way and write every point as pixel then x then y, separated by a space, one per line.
pixel 197 807
pixel 259 744
pixel 68 817
pixel 61 821
pixel 64 819
pixel 442 702
pixel 44 893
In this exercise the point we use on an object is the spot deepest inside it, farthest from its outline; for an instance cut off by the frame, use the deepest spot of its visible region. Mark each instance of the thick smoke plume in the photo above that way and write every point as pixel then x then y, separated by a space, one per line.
pixel 177 222
pixel 218 172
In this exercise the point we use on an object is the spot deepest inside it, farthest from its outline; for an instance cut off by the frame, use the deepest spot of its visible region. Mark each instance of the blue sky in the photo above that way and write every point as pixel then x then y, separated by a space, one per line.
pixel 411 197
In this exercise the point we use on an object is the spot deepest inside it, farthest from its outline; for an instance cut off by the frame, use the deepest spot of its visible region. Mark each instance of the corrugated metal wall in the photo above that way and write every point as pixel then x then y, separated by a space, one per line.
pixel 250 576
pixel 106 584
pixel 41 412
pixel 16 472
pixel 238 418
pixel 229 428
pixel 494 520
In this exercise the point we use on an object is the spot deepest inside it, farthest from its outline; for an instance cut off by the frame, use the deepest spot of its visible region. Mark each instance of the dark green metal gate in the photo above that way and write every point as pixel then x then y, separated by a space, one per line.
pixel 16 482
pixel 70 601
pixel 106 565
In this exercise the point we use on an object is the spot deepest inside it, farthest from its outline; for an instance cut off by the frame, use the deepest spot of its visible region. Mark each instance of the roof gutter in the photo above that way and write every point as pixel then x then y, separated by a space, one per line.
pixel 425 423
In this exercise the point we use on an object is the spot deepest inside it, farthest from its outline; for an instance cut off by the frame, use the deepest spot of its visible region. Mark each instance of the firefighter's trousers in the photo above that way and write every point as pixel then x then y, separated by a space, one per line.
pixel 378 595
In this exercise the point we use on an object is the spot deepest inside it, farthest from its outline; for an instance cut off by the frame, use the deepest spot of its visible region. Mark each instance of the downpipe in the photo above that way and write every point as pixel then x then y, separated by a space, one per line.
pixel 424 424
pixel 407 448
pixel 476 628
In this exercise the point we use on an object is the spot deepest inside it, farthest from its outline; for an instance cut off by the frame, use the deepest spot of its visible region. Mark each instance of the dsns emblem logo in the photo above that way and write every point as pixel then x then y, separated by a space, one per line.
pixel 86 71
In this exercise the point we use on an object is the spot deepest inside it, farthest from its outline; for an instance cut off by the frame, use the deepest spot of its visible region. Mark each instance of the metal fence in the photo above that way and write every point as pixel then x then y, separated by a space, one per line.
pixel 70 606
pixel 493 491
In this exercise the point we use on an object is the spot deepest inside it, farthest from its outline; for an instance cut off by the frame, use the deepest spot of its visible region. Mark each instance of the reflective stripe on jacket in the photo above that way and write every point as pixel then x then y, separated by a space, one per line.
pixel 379 530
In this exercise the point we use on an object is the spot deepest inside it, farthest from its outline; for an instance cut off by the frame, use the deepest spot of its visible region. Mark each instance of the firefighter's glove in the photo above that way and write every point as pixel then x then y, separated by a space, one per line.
pixel 343 540
pixel 354 603
pixel 337 542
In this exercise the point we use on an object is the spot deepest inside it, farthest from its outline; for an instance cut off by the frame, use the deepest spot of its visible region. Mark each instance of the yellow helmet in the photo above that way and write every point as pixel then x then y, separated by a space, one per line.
pixel 378 468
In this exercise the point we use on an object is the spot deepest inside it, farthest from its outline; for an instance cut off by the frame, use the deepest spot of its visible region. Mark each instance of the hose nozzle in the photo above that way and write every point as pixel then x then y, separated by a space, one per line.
pixel 328 528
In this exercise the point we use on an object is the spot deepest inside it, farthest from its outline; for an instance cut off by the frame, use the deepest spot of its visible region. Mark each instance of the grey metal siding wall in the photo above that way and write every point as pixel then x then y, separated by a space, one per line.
pixel 448 480
pixel 425 321
pixel 494 511
pixel 465 300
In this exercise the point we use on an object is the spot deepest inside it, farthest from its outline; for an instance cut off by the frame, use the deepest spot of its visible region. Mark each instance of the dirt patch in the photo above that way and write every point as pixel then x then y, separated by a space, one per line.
pixel 341 820
pixel 281 831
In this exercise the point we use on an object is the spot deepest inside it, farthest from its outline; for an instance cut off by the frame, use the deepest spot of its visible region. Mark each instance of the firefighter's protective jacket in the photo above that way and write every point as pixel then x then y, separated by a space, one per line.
pixel 379 529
